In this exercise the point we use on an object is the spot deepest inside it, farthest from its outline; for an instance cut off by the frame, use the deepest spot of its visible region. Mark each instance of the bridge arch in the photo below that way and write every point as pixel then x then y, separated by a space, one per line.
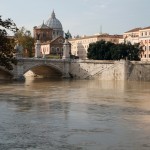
pixel 5 74
pixel 59 66
pixel 44 70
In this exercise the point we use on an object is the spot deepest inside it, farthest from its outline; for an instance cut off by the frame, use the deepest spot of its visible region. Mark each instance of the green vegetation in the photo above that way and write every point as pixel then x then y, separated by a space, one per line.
pixel 51 56
pixel 7 44
pixel 103 50
pixel 25 39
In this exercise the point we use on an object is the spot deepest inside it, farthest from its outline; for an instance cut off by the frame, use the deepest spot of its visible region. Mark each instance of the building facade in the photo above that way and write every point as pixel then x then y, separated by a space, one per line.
pixel 50 35
pixel 80 45
pixel 144 39
pixel 139 35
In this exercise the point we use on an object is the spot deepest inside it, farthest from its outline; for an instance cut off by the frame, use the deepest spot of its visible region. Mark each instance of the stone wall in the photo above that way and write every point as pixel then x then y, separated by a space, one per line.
pixel 102 70
pixel 138 71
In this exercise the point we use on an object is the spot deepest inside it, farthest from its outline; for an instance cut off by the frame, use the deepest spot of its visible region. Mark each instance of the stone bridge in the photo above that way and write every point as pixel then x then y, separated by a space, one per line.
pixel 68 68
pixel 41 66
pixel 81 69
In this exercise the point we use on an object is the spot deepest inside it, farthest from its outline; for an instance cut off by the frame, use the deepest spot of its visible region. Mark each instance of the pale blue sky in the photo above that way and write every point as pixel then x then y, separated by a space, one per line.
pixel 83 17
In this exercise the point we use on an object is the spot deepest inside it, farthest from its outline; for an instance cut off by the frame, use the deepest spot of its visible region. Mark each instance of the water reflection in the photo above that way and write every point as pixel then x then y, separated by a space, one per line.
pixel 75 114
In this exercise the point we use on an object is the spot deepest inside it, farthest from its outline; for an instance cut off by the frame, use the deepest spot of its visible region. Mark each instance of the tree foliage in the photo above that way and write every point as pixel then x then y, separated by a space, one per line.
pixel 25 39
pixel 6 44
pixel 103 50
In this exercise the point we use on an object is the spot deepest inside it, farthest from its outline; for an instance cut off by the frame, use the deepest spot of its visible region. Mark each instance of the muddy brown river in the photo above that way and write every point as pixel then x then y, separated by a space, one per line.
pixel 74 115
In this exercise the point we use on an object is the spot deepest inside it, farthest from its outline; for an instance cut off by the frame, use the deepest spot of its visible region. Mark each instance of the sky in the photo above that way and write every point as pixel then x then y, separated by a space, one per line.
pixel 80 17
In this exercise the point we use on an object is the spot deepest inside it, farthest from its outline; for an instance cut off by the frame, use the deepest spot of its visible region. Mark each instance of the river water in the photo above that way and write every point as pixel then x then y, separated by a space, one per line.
pixel 74 115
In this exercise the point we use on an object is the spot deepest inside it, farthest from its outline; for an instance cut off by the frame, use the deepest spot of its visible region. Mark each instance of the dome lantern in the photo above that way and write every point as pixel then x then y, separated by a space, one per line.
pixel 53 15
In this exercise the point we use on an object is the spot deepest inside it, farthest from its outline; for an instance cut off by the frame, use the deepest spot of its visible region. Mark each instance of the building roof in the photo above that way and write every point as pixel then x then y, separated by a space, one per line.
pixel 43 26
pixel 134 30
pixel 112 36
pixel 146 28
pixel 53 22
pixel 97 36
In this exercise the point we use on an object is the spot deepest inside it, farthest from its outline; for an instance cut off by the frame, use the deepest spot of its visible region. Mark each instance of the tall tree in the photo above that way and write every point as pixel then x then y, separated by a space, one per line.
pixel 25 39
pixel 6 47
pixel 100 50
pixel 103 50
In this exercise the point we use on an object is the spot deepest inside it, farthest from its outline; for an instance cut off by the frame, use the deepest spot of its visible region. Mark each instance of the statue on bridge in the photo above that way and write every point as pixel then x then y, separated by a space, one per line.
pixel 66 36
pixel 66 48
pixel 19 50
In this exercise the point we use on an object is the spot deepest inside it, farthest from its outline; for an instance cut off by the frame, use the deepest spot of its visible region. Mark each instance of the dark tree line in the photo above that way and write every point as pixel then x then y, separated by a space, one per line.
pixel 7 44
pixel 103 50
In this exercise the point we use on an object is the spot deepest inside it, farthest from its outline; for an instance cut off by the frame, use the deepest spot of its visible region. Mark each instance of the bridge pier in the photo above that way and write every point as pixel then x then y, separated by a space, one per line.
pixel 18 72
pixel 19 78
pixel 66 69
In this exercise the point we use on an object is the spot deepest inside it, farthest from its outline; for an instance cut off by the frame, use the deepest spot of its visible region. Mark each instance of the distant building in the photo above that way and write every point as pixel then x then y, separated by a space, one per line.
pixel 144 39
pixel 131 36
pixel 79 45
pixel 51 35
pixel 139 35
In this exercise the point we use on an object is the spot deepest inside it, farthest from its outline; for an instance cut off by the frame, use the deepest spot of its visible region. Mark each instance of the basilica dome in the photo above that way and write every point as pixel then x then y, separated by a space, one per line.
pixel 53 22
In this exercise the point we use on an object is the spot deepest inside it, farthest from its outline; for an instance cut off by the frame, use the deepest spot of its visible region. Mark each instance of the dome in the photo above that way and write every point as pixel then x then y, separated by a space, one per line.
pixel 53 22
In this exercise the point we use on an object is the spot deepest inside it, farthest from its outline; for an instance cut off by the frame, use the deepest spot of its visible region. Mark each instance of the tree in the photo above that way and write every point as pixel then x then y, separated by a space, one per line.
pixel 119 51
pixel 134 51
pixel 25 39
pixel 7 58
pixel 100 50
pixel 103 50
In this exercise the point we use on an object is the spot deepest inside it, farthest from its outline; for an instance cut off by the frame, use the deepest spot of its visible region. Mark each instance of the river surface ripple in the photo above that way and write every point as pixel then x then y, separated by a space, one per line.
pixel 74 115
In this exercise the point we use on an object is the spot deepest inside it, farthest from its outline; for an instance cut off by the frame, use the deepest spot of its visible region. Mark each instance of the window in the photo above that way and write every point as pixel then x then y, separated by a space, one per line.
pixel 57 49
pixel 142 34
pixel 44 35
pixel 53 49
